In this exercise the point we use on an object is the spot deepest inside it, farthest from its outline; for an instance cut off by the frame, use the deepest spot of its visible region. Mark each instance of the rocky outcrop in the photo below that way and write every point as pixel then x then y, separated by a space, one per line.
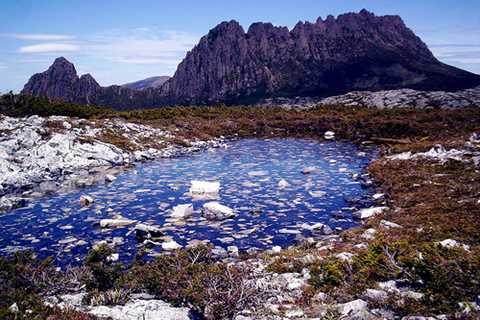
pixel 140 306
pixel 355 51
pixel 403 98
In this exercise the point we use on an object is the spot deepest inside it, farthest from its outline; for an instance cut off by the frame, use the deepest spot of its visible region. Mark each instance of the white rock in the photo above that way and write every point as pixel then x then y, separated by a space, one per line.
pixel 412 295
pixel 389 225
pixel 317 194
pixel 216 211
pixel 233 250
pixel 139 307
pixel 389 286
pixel 319 228
pixel 352 307
pixel 14 308
pixel 85 200
pixel 113 257
pixel 110 177
pixel 258 173
pixel 375 294
pixel 170 245
pixel 182 211
pixel 288 231
pixel 369 212
pixel 308 170
pixel 369 234
pixel 147 231
pixel 345 256
pixel 114 223
pixel 276 249
pixel 378 196
pixel 450 243
pixel 204 190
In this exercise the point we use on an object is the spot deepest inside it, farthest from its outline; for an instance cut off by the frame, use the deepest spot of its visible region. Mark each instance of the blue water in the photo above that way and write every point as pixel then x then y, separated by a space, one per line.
pixel 54 224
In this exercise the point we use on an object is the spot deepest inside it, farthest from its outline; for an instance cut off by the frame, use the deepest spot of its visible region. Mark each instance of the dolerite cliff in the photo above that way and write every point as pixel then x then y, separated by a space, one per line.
pixel 61 82
pixel 355 51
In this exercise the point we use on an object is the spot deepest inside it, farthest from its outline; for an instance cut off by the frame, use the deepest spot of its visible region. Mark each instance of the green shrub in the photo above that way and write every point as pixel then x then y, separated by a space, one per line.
pixel 191 277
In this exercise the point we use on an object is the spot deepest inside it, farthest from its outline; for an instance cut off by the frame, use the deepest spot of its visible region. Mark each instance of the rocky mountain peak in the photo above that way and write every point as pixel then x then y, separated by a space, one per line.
pixel 354 51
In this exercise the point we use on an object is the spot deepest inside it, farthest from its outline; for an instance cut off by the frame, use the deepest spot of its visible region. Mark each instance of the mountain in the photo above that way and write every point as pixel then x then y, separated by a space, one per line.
pixel 355 51
pixel 61 82
pixel 152 82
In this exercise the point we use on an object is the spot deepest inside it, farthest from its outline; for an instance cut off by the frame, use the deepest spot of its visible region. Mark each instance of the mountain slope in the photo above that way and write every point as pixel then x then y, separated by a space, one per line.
pixel 355 51
pixel 152 82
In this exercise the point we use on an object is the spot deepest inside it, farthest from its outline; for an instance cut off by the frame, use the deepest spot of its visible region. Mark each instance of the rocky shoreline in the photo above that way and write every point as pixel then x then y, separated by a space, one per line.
pixel 42 155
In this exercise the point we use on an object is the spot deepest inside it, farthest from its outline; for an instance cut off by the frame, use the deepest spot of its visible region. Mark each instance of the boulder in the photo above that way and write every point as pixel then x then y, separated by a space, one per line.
pixel 86 200
pixel 182 211
pixel 115 223
pixel 344 256
pixel 450 244
pixel 352 307
pixel 308 170
pixel 145 231
pixel 171 245
pixel 389 225
pixel 204 190
pixel 318 228
pixel 216 211
pixel 368 212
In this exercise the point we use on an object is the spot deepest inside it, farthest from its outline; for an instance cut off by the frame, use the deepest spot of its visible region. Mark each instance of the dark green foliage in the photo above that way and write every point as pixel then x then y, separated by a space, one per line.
pixel 327 274
pixel 26 281
pixel 21 106
pixel 104 273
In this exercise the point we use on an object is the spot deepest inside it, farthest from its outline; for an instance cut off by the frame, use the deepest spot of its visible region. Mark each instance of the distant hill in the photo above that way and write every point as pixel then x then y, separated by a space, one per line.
pixel 152 82
pixel 353 52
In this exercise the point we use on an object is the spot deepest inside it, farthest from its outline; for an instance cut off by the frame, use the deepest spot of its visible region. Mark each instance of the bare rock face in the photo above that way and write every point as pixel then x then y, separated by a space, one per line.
pixel 57 82
pixel 353 52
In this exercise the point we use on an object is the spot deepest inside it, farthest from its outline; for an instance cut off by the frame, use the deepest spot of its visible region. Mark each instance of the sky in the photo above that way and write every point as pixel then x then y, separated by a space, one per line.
pixel 123 41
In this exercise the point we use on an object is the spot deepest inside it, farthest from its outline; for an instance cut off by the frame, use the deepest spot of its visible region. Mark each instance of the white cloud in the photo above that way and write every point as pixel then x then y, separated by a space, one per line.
pixel 39 36
pixel 142 46
pixel 49 47
pixel 457 53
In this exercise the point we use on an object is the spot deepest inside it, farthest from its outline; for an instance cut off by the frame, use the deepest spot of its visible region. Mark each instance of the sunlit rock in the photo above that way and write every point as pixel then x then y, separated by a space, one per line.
pixel 369 212
pixel 204 190
pixel 85 200
pixel 170 245
pixel 115 223
pixel 182 211
pixel 216 211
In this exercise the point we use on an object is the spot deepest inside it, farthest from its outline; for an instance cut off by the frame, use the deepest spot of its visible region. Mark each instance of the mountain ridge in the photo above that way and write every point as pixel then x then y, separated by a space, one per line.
pixel 150 82
pixel 355 51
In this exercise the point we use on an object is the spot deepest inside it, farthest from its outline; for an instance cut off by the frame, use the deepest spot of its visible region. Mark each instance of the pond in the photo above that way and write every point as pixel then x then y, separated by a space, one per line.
pixel 249 172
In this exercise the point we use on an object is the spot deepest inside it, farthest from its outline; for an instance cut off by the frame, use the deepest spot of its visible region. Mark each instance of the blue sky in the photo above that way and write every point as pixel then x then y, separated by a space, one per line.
pixel 122 41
